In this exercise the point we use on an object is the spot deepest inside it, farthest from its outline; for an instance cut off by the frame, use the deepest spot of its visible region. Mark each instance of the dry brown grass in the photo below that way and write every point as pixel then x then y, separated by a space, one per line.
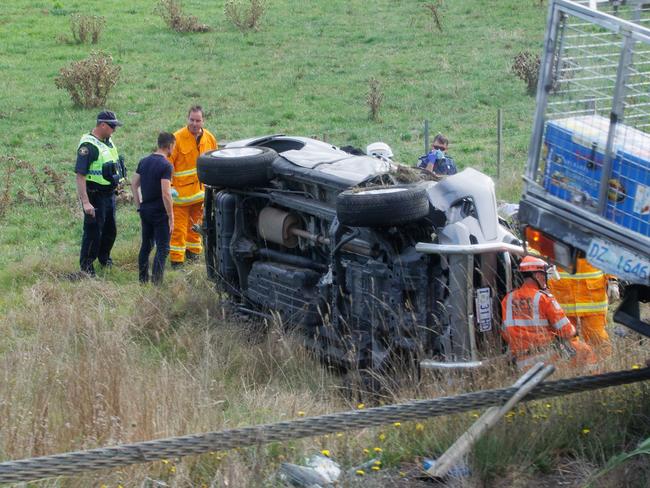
pixel 94 363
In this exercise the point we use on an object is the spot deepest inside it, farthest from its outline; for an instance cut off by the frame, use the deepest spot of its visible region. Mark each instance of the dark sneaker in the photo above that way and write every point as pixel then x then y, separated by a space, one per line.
pixel 177 264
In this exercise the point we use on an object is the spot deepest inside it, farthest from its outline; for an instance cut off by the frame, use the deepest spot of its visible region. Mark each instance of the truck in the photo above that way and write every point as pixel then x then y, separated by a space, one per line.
pixel 587 181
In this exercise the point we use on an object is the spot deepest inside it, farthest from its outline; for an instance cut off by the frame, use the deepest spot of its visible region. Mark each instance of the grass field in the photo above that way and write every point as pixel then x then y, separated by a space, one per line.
pixel 106 361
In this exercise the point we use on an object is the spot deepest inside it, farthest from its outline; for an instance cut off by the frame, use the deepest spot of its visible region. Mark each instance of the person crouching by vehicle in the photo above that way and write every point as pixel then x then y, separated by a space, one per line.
pixel 438 161
pixel 534 325
pixel 191 141
pixel 583 297
pixel 151 187
pixel 99 169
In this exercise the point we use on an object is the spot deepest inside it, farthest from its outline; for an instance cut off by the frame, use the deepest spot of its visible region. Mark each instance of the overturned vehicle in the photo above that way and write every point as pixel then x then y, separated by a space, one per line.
pixel 374 263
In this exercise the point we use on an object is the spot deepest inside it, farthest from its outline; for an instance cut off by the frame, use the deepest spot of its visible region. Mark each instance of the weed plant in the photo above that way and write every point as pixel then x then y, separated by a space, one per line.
pixel 246 15
pixel 526 67
pixel 87 28
pixel 176 19
pixel 89 81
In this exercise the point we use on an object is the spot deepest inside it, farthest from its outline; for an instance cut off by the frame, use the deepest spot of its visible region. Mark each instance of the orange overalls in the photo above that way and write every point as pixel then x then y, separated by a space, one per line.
pixel 188 203
pixel 533 321
pixel 583 297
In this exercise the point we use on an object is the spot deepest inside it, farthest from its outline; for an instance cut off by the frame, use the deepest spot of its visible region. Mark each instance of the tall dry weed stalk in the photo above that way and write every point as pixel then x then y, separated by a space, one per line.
pixel 87 28
pixel 435 17
pixel 89 81
pixel 246 15
pixel 176 19
pixel 47 186
pixel 374 98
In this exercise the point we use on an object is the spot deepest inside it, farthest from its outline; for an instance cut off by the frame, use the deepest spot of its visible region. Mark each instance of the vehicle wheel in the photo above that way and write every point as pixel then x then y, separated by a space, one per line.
pixel 382 207
pixel 236 167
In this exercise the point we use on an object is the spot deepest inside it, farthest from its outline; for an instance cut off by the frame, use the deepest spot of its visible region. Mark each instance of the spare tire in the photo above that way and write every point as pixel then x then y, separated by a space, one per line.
pixel 382 206
pixel 236 167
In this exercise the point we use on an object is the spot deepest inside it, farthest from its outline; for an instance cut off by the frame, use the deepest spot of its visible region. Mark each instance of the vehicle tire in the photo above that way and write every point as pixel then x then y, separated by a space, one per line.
pixel 236 167
pixel 382 207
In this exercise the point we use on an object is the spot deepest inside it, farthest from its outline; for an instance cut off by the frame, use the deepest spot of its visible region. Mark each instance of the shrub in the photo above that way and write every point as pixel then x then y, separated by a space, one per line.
pixel 374 98
pixel 87 28
pixel 245 14
pixel 90 80
pixel 526 67
pixel 172 13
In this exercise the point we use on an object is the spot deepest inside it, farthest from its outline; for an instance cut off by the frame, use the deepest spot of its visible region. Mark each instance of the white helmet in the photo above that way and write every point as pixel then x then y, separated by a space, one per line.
pixel 379 150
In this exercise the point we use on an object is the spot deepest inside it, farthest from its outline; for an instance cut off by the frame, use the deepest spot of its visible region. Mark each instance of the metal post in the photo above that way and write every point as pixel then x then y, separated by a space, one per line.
pixel 426 136
pixel 499 141
pixel 470 308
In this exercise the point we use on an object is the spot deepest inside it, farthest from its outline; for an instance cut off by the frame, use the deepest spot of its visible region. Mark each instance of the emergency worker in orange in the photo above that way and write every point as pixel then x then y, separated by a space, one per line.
pixel 191 141
pixel 534 325
pixel 583 297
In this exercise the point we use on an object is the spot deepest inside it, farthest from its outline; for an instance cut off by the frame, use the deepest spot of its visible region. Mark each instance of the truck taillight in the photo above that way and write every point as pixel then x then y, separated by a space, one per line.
pixel 555 251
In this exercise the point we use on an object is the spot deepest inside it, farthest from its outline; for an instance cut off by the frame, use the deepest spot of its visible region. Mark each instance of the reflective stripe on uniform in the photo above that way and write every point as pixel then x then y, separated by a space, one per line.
pixel 584 307
pixel 187 172
pixel 197 197
pixel 177 248
pixel 535 321
pixel 193 245
pixel 581 276
pixel 561 323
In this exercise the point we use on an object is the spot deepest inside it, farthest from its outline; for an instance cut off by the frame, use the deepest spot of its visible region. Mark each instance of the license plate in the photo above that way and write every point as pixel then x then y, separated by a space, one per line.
pixel 613 259
pixel 484 309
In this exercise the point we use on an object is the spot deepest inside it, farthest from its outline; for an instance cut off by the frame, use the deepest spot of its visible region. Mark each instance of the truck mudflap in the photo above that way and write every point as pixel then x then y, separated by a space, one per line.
pixel 628 312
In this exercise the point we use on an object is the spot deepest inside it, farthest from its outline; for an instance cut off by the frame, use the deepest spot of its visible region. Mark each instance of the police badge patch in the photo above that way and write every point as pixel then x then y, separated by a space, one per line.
pixel 83 151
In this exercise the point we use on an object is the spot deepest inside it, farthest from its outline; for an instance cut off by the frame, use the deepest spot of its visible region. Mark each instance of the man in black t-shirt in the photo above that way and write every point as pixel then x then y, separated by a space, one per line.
pixel 151 187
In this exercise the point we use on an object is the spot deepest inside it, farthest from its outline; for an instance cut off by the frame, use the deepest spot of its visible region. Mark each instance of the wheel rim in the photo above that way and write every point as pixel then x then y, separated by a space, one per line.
pixel 236 152
pixel 380 191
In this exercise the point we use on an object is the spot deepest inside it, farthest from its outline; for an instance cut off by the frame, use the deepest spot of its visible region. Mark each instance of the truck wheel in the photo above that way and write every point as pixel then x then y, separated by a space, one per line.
pixel 236 167
pixel 382 207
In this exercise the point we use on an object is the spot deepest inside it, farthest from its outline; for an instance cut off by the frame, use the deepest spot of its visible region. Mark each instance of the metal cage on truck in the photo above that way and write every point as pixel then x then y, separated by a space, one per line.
pixel 587 181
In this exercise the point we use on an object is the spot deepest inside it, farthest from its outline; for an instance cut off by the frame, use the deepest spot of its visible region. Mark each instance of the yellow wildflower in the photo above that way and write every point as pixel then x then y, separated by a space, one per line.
pixel 165 461
pixel 377 462
pixel 548 405
pixel 382 437
pixel 585 431
pixel 360 472
pixel 339 434
pixel 397 424
pixel 636 366
pixel 419 427
pixel 325 452
pixel 301 413
pixel 366 450
pixel 377 449
pixel 172 469
pixel 361 406
pixel 376 468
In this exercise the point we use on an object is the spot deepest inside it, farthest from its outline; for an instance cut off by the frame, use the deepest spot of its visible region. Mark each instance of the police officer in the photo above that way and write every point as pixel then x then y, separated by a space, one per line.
pixel 99 169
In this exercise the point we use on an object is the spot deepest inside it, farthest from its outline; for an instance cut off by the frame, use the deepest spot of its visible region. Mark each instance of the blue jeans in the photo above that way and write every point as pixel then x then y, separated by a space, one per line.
pixel 99 231
pixel 155 230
